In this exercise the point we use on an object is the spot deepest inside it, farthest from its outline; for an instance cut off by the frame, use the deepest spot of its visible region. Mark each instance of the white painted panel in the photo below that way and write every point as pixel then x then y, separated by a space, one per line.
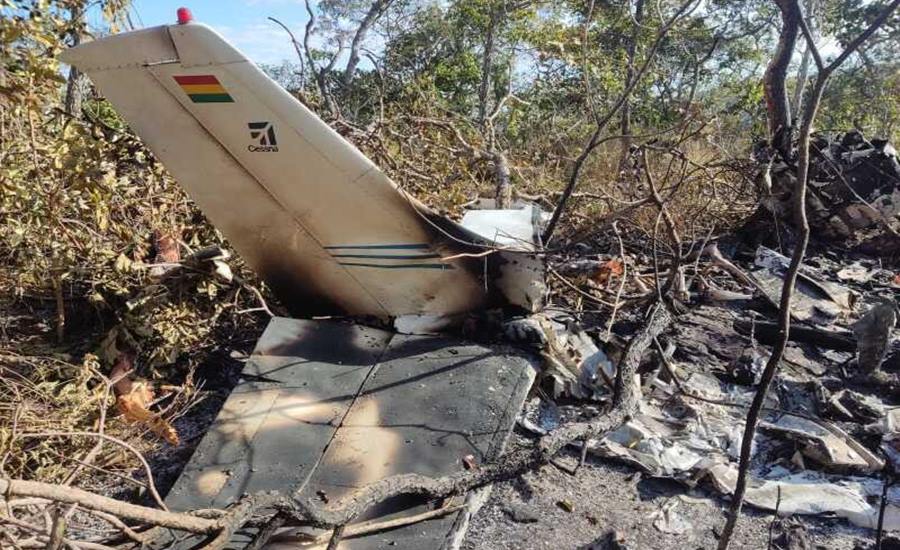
pixel 260 229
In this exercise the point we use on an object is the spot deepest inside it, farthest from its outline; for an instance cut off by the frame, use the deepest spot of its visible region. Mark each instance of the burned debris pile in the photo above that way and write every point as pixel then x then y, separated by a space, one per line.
pixel 853 198
pixel 828 440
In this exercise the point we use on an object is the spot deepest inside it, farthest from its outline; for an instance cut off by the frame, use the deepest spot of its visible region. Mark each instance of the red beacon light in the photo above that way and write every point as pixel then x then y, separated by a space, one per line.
pixel 184 16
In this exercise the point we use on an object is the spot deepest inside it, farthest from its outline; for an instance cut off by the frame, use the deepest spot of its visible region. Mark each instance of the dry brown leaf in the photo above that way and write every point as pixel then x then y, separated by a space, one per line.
pixel 167 253
pixel 133 400
pixel 166 246
pixel 133 407
pixel 607 270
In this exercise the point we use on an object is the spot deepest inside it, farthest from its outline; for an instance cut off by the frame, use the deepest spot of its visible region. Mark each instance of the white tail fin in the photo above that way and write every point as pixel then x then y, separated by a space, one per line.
pixel 318 220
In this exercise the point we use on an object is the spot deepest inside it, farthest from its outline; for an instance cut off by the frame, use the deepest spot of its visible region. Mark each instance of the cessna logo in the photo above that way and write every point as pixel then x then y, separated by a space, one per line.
pixel 263 133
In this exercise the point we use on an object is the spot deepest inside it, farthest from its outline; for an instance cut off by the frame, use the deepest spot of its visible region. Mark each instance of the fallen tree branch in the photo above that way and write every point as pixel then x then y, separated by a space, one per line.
pixel 85 499
pixel 767 333
pixel 372 526
pixel 721 261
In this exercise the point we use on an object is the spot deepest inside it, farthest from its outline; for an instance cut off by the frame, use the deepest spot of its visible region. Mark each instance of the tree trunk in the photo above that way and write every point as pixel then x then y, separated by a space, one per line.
pixel 378 8
pixel 503 196
pixel 803 71
pixel 775 79
pixel 630 50
pixel 802 74
pixel 487 65
pixel 72 103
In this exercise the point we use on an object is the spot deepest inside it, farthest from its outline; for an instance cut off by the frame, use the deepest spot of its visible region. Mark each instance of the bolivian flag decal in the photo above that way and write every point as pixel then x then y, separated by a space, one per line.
pixel 203 88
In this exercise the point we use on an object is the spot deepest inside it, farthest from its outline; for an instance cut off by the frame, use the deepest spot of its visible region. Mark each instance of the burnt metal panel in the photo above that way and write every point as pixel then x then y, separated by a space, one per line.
pixel 430 402
pixel 327 408
pixel 271 432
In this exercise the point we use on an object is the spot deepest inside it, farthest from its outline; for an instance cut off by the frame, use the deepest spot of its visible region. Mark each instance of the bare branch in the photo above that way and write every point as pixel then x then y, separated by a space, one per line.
pixel 85 499
pixel 811 43
pixel 297 49
pixel 685 9
pixel 863 36
pixel 319 75
pixel 375 11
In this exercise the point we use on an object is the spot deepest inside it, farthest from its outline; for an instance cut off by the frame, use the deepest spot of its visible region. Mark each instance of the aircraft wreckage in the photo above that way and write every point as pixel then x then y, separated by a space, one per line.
pixel 325 407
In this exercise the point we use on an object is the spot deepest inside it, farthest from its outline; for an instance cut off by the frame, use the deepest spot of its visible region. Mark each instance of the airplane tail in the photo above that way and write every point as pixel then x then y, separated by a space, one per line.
pixel 322 224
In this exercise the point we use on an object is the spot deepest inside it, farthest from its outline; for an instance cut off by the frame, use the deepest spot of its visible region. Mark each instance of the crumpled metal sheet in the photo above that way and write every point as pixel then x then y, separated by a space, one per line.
pixel 810 493
pixel 830 446
pixel 815 300
pixel 577 366
pixel 692 441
